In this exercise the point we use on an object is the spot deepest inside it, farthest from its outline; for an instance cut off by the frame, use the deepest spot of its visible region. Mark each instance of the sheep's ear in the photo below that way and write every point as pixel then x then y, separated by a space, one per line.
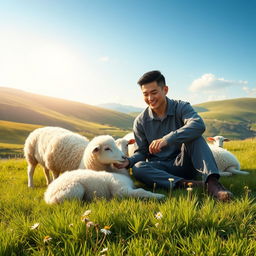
pixel 210 139
pixel 96 149
pixel 131 141
pixel 225 139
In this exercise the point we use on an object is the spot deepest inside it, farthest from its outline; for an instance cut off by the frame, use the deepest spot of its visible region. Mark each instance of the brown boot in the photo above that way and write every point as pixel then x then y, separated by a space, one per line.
pixel 217 190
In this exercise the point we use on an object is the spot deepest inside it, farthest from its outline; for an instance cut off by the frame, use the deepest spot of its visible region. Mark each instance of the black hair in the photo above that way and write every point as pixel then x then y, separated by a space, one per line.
pixel 152 76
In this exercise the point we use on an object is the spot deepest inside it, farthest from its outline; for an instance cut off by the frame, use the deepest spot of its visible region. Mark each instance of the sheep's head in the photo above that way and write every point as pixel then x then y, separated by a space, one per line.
pixel 123 144
pixel 217 140
pixel 105 150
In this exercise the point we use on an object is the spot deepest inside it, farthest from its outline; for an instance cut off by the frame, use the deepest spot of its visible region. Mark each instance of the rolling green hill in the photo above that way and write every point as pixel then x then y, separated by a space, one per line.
pixel 234 118
pixel 24 107
pixel 23 112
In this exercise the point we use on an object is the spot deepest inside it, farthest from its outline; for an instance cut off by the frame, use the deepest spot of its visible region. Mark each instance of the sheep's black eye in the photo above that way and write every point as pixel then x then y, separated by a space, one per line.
pixel 108 149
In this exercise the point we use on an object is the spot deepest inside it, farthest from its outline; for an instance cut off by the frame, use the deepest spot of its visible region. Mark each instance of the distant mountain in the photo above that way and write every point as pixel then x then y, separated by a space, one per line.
pixel 120 108
pixel 20 107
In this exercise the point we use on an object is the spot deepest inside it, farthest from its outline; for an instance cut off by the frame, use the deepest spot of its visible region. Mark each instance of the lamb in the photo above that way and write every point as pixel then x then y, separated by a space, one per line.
pixel 227 163
pixel 56 149
pixel 86 184
pixel 101 153
pixel 217 140
pixel 127 144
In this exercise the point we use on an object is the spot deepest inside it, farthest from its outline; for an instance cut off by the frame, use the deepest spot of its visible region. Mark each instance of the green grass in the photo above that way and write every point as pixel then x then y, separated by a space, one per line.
pixel 197 226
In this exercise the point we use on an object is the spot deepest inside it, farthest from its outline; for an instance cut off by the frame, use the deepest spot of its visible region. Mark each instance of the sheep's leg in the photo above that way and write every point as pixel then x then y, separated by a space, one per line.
pixel 141 193
pixel 47 176
pixel 235 171
pixel 225 173
pixel 31 170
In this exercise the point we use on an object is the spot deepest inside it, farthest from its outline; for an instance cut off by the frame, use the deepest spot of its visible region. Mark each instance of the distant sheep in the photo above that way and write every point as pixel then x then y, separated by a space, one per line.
pixel 127 144
pixel 56 149
pixel 227 163
pixel 217 140
pixel 87 184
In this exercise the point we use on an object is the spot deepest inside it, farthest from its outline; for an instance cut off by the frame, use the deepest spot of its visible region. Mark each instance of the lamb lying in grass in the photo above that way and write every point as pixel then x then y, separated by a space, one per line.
pixel 56 149
pixel 86 184
pixel 227 163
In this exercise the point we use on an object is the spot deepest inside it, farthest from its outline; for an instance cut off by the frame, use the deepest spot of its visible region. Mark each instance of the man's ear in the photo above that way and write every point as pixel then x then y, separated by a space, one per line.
pixel 166 89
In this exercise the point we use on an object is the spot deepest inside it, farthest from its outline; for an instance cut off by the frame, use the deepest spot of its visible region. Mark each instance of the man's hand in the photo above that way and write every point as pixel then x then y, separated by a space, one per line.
pixel 122 165
pixel 156 146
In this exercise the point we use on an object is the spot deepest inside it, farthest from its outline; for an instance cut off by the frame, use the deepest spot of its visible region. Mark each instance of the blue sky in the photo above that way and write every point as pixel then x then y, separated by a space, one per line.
pixel 95 51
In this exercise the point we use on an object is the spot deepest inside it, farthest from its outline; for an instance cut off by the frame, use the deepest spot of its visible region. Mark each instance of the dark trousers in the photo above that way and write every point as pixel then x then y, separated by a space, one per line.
pixel 195 158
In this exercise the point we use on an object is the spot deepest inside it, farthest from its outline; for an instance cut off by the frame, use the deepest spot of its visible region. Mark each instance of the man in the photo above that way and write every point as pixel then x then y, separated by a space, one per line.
pixel 170 143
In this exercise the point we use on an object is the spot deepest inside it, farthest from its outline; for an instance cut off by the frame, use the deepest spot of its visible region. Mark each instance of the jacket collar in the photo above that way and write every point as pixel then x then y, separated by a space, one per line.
pixel 169 112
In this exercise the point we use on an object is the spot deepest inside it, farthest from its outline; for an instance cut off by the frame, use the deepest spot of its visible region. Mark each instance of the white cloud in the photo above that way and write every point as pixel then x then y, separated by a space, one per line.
pixel 210 83
pixel 104 59
pixel 250 91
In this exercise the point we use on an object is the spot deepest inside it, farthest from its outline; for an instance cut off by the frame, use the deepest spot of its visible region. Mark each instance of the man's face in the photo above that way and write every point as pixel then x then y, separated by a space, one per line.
pixel 154 95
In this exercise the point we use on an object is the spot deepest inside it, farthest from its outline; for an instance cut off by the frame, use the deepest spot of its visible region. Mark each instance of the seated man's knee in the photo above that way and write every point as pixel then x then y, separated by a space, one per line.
pixel 197 143
pixel 137 169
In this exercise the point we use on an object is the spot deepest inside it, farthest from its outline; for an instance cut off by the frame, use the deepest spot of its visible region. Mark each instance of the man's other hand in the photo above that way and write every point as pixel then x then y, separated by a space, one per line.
pixel 156 146
pixel 122 165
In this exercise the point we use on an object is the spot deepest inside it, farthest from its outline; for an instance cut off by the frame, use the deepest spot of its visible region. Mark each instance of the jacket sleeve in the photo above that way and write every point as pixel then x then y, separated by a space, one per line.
pixel 192 125
pixel 141 152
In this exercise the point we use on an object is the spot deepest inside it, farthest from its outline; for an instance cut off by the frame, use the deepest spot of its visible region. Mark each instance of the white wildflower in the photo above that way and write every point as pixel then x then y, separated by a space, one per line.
pixel 159 215
pixel 35 226
pixel 106 230
pixel 104 250
pixel 47 239
pixel 87 212
pixel 89 224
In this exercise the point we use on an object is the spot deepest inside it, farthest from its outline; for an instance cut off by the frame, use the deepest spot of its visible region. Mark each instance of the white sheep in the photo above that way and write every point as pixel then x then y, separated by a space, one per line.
pixel 127 144
pixel 101 153
pixel 217 140
pixel 56 149
pixel 227 163
pixel 86 184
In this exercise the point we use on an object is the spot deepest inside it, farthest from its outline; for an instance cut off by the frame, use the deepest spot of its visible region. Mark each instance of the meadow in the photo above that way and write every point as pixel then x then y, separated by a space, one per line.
pixel 183 224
